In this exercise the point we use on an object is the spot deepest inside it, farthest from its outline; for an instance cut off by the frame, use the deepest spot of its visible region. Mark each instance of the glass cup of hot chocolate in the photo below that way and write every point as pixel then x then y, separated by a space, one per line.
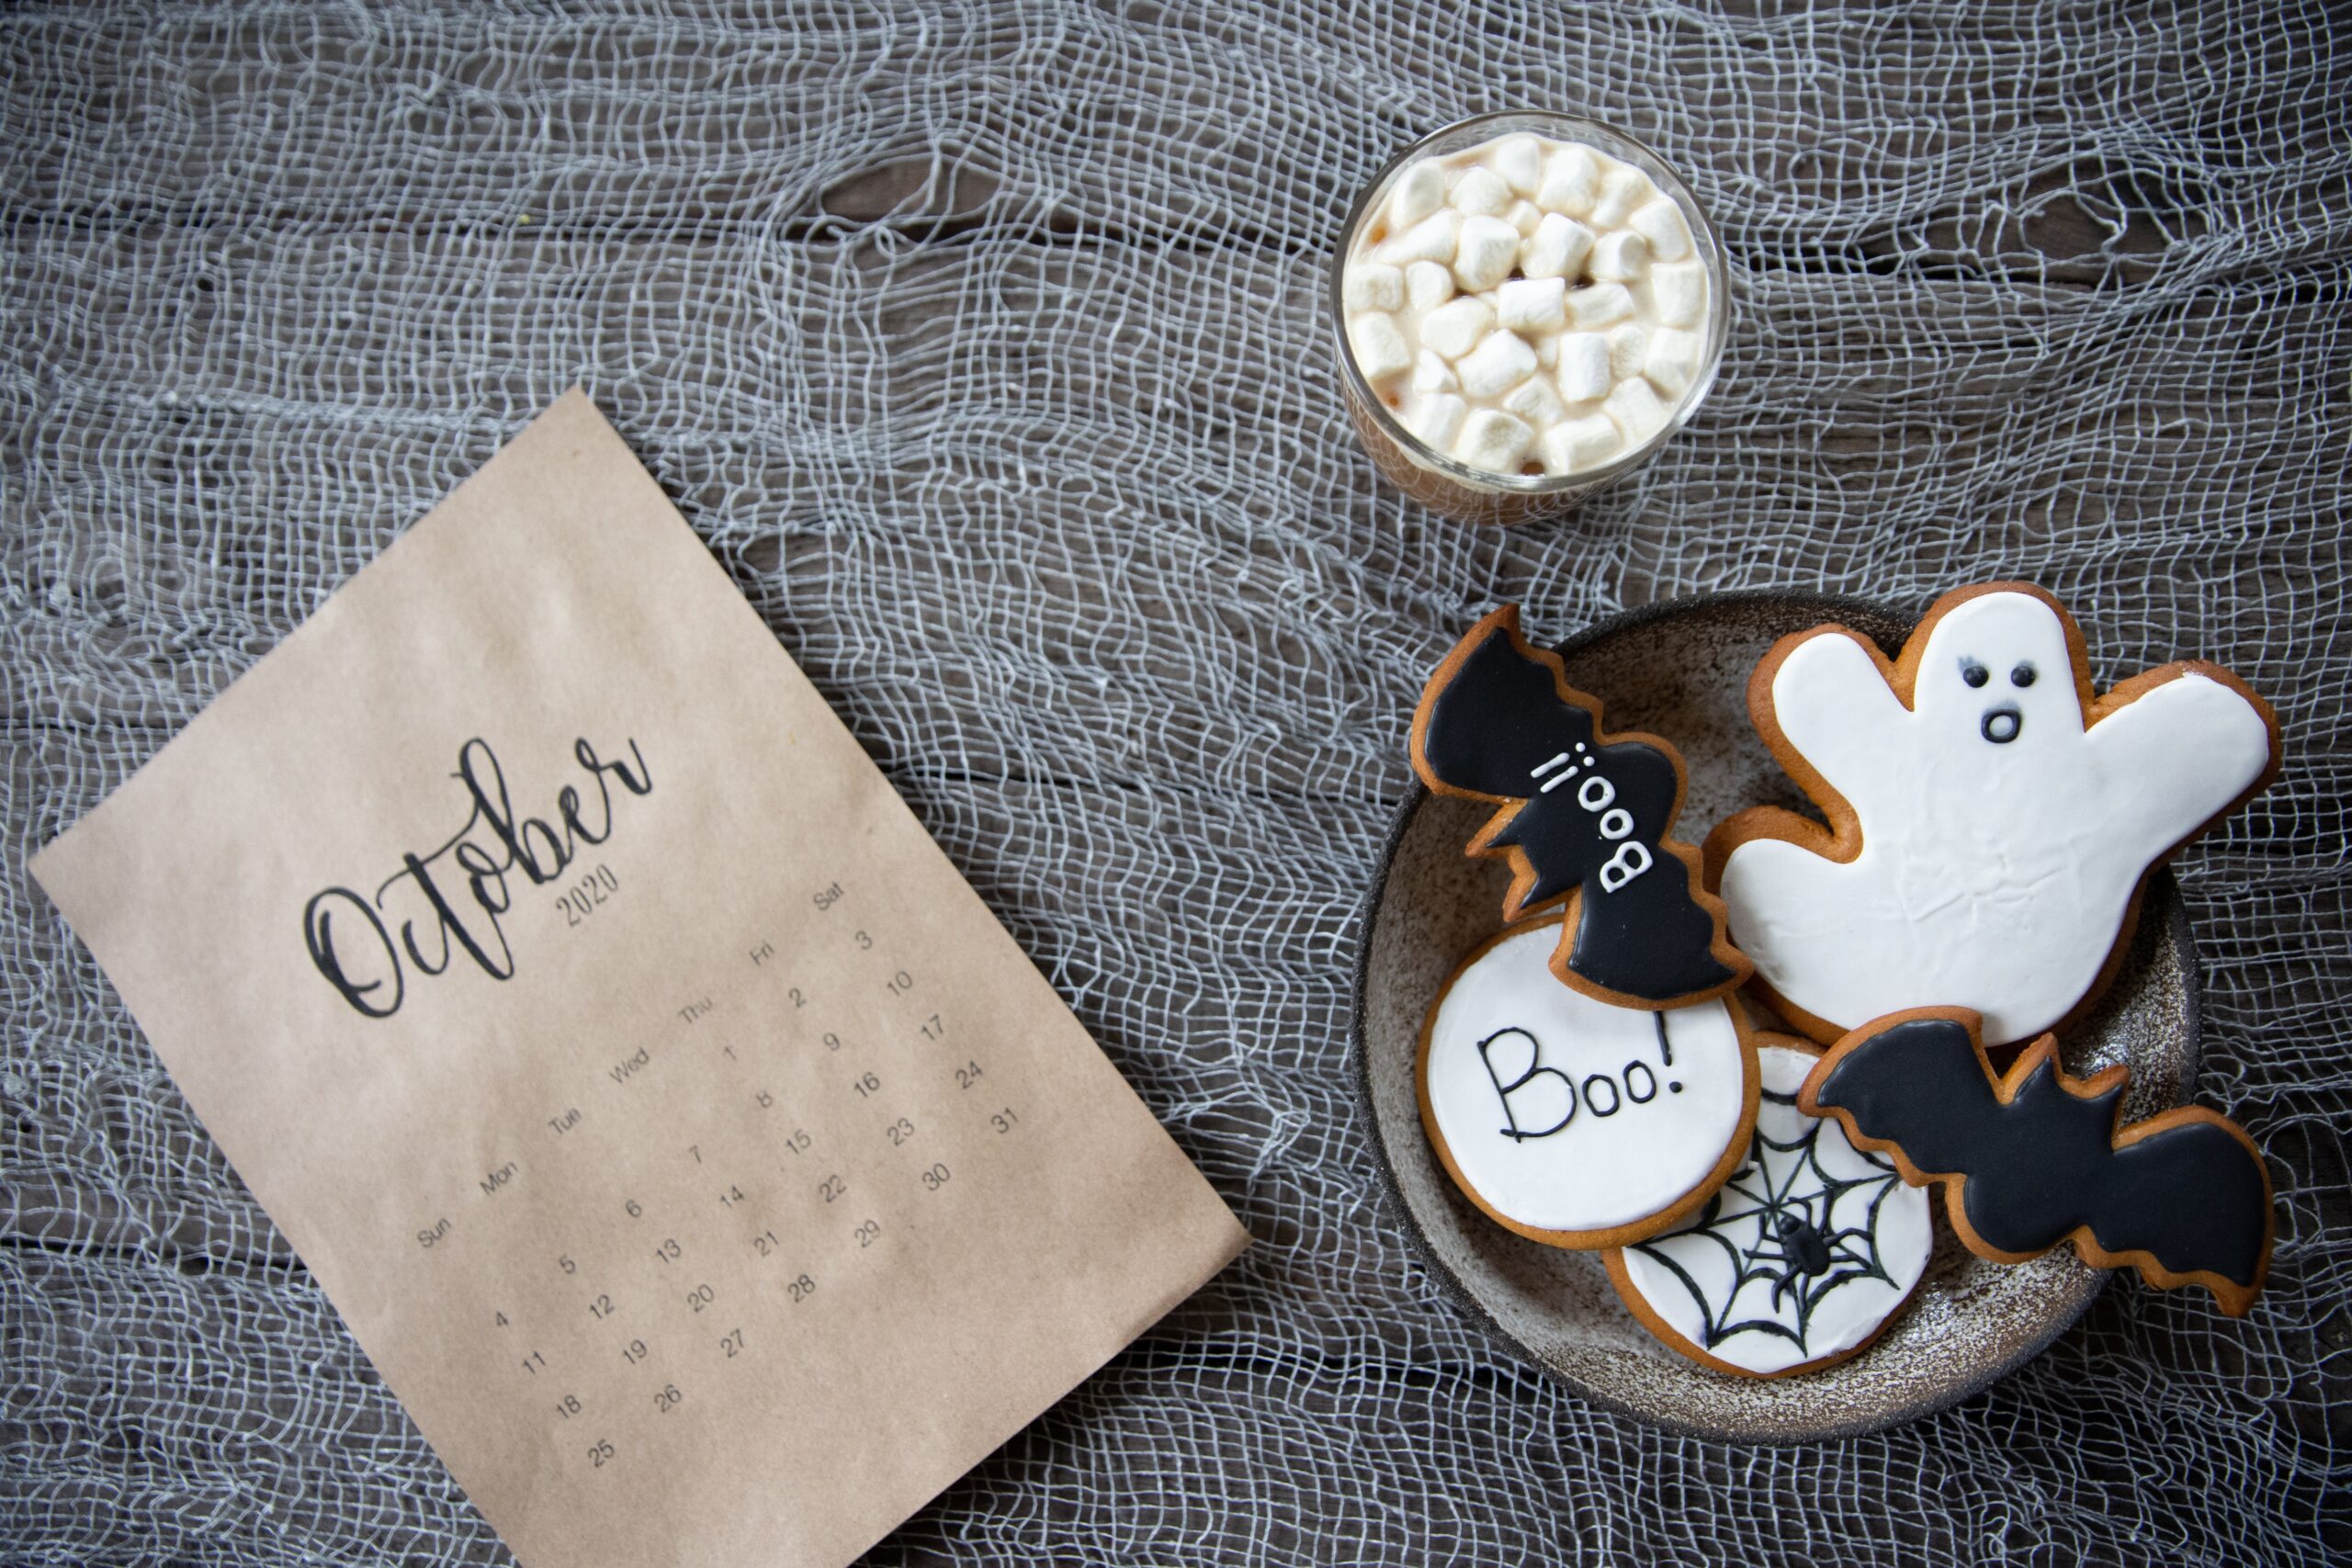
pixel 1526 307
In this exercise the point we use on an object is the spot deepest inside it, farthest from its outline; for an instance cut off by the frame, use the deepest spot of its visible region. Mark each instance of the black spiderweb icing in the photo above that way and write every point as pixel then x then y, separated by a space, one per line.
pixel 1772 1220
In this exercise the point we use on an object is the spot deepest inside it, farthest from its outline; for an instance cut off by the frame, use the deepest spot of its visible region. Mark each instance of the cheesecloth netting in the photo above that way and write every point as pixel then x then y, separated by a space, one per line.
pixel 983 344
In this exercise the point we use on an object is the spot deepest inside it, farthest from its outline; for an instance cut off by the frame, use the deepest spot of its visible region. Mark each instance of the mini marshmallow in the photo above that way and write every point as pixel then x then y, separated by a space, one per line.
pixel 1662 224
pixel 1673 361
pixel 1621 189
pixel 1453 330
pixel 1368 286
pixel 1438 420
pixel 1621 257
pixel 1432 374
pixel 1571 183
pixel 1420 190
pixel 1579 444
pixel 1583 368
pixel 1603 304
pixel 1487 250
pixel 1520 160
pixel 1381 351
pixel 1524 216
pixel 1636 410
pixel 1432 239
pixel 1532 305
pixel 1629 350
pixel 1501 361
pixel 1534 402
pixel 1679 290
pixel 1427 285
pixel 1493 441
pixel 1556 249
pixel 1547 350
pixel 1478 192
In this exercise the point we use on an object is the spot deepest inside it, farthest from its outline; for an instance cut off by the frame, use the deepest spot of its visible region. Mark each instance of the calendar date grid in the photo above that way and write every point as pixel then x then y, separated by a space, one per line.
pixel 816 1145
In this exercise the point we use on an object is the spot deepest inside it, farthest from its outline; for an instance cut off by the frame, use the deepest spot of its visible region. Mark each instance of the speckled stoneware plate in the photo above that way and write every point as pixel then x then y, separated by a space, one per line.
pixel 1680 670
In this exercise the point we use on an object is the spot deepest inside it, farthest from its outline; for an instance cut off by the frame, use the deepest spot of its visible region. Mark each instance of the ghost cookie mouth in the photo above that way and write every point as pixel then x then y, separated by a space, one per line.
pixel 2002 724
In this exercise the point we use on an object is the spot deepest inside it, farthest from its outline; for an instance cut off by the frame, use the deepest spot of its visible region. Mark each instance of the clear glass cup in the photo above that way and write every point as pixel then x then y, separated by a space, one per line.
pixel 1458 489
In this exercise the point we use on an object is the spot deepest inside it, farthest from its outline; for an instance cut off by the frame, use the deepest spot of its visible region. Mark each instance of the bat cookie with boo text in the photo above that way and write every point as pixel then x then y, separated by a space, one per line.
pixel 1583 821
pixel 2033 1157
pixel 1991 822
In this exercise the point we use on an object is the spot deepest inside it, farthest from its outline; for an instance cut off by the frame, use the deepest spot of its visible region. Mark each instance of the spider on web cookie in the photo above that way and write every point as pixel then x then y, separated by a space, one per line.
pixel 1801 1259
pixel 1990 823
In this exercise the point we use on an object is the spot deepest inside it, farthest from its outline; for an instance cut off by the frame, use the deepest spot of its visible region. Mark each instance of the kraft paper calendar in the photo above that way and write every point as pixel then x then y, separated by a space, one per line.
pixel 696 1156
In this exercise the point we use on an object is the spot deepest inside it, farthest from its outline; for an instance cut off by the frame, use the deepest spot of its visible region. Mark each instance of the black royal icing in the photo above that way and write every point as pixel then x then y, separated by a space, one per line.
pixel 1593 819
pixel 2191 1196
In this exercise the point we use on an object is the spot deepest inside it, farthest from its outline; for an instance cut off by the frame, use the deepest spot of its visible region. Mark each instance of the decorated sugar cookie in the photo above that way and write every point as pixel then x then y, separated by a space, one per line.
pixel 1806 1255
pixel 1583 819
pixel 2033 1157
pixel 1573 1121
pixel 1990 822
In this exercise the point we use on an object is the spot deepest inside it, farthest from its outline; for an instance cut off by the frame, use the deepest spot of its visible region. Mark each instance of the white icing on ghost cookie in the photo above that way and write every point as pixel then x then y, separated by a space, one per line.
pixel 1801 1259
pixel 1991 824
pixel 1573 1121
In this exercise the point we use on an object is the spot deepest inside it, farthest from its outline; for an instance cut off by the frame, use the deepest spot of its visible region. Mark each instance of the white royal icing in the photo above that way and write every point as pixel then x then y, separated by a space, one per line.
pixel 1992 875
pixel 1734 1285
pixel 1615 1132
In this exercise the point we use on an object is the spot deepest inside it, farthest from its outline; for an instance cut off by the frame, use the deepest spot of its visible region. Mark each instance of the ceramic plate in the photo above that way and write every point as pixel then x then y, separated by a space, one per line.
pixel 1680 670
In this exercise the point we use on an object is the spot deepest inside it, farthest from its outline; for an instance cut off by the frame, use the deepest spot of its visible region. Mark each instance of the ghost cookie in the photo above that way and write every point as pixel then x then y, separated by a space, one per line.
pixel 1575 1122
pixel 1583 821
pixel 2031 1158
pixel 1801 1259
pixel 1990 822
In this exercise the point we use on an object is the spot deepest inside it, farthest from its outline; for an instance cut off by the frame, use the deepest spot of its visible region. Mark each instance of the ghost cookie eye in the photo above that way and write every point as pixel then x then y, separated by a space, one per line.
pixel 2022 676
pixel 1975 674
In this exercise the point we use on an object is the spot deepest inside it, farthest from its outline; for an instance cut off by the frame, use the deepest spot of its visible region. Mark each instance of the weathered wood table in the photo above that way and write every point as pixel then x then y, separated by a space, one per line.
pixel 984 347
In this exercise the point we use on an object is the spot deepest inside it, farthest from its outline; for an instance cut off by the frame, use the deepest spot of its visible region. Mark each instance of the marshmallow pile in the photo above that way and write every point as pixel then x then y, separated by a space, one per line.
pixel 1527 305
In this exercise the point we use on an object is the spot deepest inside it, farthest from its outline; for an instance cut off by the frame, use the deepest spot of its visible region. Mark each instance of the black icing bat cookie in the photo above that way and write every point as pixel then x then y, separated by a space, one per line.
pixel 1584 818
pixel 2033 1157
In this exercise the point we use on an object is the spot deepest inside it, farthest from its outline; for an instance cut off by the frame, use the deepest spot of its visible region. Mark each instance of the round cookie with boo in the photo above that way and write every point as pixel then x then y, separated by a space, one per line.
pixel 1573 1121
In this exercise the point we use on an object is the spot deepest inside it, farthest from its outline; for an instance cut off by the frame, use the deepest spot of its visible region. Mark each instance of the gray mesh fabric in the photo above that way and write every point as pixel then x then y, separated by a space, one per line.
pixel 984 347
